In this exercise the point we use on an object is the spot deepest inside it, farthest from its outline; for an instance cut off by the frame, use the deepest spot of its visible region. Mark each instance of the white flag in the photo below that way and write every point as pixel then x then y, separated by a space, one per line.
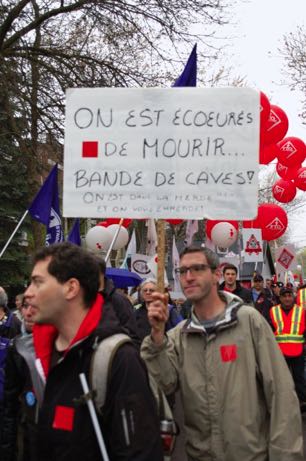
pixel 175 265
pixel 131 250
pixel 152 266
pixel 151 237
pixel 191 229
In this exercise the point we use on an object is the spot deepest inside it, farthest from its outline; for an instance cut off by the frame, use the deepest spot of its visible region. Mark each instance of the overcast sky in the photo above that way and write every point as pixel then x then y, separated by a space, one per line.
pixel 259 30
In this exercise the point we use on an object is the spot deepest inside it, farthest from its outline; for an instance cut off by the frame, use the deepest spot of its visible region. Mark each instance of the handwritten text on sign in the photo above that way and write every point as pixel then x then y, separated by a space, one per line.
pixel 164 153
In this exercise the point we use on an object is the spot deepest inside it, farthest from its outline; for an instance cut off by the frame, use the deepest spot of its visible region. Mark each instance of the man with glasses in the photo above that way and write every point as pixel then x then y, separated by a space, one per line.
pixel 238 396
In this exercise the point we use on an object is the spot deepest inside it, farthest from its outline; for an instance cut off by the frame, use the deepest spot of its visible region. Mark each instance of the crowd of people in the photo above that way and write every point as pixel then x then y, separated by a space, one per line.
pixel 235 355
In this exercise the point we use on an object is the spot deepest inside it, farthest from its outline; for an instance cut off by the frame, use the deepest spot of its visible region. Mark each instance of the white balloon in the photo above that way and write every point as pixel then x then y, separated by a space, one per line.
pixel 224 234
pixel 122 238
pixel 98 238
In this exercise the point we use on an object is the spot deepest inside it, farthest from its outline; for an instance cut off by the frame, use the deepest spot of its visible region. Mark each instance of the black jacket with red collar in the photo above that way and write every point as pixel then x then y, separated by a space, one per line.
pixel 129 423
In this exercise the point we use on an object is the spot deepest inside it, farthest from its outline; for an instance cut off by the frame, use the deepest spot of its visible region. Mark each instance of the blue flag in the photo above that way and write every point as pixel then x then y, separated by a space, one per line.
pixel 189 75
pixel 45 208
pixel 74 234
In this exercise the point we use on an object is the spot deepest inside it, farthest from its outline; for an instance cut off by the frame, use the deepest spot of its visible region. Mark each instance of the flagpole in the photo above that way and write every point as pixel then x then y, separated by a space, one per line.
pixel 94 417
pixel 161 255
pixel 13 233
pixel 114 240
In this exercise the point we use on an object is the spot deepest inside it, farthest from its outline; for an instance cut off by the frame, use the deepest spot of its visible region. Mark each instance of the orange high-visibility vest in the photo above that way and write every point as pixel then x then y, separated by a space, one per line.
pixel 289 329
pixel 301 297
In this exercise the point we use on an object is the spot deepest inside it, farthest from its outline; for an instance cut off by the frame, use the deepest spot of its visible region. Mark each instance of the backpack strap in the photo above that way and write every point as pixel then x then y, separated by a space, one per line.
pixel 100 366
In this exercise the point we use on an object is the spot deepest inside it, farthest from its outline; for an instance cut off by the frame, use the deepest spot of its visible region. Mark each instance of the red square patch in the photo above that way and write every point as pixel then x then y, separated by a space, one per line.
pixel 228 353
pixel 90 149
pixel 63 418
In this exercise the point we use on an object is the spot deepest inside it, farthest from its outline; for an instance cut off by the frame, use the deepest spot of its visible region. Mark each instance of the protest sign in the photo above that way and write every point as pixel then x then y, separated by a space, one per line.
pixel 183 153
pixel 252 245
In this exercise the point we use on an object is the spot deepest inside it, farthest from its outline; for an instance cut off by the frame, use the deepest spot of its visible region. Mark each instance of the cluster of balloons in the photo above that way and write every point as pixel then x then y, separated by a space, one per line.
pixel 100 237
pixel 290 151
pixel 271 219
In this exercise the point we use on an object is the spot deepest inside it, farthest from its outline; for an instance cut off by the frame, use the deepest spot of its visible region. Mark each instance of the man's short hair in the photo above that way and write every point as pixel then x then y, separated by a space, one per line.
pixel 228 266
pixel 211 257
pixel 3 297
pixel 71 261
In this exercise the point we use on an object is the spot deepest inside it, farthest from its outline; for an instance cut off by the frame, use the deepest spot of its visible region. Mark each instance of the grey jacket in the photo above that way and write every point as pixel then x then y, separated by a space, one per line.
pixel 238 395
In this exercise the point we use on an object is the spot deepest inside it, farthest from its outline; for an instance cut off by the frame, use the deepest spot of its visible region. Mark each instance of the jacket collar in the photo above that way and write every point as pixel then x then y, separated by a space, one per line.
pixel 227 319
pixel 44 335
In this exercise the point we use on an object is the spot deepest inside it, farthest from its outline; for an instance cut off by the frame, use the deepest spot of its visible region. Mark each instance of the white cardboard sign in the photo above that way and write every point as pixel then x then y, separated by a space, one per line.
pixel 162 153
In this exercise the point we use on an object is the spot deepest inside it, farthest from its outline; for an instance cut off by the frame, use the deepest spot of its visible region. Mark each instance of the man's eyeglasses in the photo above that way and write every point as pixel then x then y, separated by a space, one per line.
pixel 194 269
pixel 148 290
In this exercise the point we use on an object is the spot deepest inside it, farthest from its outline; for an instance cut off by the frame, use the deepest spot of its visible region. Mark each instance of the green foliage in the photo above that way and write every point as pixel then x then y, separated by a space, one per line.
pixel 13 199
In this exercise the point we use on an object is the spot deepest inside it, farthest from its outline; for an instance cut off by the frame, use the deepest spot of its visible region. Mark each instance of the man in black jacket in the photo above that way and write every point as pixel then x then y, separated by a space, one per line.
pixel 232 285
pixel 119 303
pixel 69 321
pixel 9 328
pixel 20 405
pixel 260 300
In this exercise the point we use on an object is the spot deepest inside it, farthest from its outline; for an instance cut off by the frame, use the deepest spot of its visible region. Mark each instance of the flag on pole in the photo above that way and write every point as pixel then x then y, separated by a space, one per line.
pixel 151 237
pixel 191 229
pixel 189 75
pixel 74 235
pixel 45 208
pixel 175 265
pixel 131 250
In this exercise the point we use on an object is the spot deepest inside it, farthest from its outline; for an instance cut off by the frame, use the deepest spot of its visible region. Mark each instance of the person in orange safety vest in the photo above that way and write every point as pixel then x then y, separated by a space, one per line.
pixel 288 323
pixel 301 296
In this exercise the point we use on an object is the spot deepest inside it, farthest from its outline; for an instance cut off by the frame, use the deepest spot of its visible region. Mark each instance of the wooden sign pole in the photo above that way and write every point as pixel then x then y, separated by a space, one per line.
pixel 161 245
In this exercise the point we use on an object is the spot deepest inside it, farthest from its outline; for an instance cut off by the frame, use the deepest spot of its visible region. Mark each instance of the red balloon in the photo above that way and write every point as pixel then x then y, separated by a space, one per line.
pixel 292 151
pixel 264 116
pixel 264 108
pixel 125 223
pixel 102 223
pixel 284 191
pixel 210 223
pixel 276 127
pixel 271 219
pixel 174 221
pixel 267 153
pixel 285 172
pixel 300 180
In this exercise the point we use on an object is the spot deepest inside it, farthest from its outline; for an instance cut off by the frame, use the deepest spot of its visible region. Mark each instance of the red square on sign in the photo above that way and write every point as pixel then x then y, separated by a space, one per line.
pixel 63 418
pixel 90 149
pixel 228 353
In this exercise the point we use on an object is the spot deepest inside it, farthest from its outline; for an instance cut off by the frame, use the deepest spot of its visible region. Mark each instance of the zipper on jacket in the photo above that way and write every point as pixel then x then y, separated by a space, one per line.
pixel 125 427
